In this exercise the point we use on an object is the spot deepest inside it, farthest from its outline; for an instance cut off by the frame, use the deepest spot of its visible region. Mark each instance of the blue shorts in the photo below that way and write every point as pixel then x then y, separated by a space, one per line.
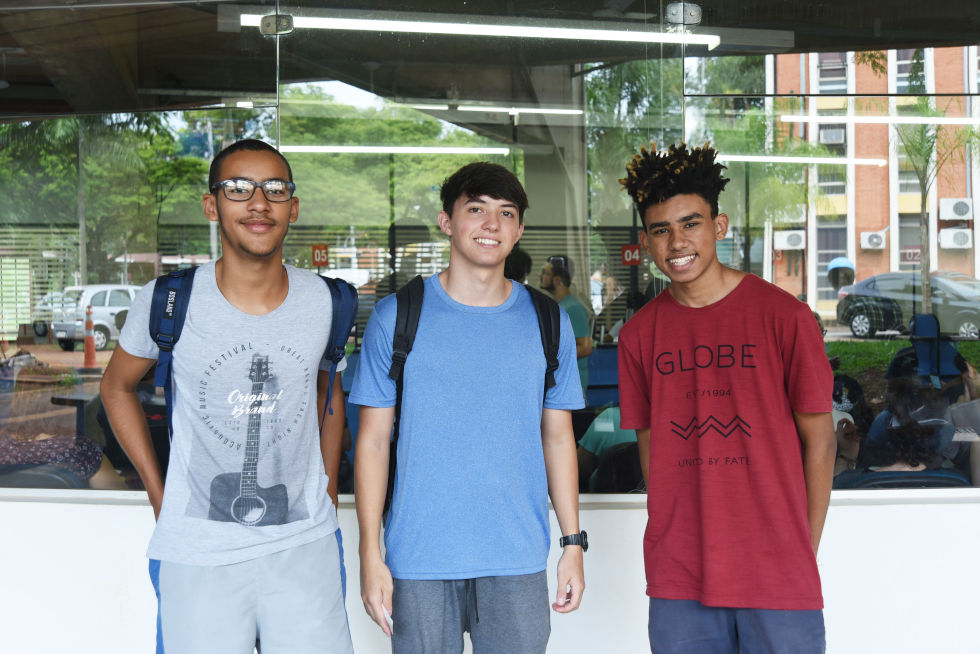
pixel 689 627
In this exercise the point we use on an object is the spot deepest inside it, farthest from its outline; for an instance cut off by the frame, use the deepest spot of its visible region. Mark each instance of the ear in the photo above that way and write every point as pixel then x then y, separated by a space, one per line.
pixel 293 209
pixel 645 242
pixel 445 223
pixel 210 203
pixel 721 226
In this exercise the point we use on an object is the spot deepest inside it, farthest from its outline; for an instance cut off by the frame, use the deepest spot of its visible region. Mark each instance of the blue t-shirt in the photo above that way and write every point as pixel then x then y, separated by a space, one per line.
pixel 471 494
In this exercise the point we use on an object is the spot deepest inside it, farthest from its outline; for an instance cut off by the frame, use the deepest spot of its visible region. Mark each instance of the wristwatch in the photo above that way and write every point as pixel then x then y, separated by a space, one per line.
pixel 580 538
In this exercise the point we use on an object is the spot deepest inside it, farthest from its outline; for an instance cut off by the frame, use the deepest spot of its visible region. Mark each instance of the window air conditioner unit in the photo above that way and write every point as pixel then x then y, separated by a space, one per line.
pixel 956 209
pixel 955 239
pixel 873 240
pixel 789 239
pixel 832 136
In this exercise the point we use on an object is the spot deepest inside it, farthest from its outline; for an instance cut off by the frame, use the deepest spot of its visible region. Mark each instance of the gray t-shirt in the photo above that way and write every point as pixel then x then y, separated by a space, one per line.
pixel 246 474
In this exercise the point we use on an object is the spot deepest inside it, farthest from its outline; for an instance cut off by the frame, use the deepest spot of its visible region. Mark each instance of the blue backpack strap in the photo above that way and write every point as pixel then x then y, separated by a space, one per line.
pixel 171 295
pixel 409 309
pixel 343 297
pixel 549 324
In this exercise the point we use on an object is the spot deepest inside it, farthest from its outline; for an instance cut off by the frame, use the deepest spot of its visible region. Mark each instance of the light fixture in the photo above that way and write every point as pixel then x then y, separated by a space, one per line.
pixel 513 111
pixel 805 161
pixel 4 84
pixel 389 149
pixel 879 120
pixel 486 26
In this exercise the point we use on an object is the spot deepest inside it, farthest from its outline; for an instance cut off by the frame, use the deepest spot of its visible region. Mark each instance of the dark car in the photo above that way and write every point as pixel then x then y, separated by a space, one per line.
pixel 887 302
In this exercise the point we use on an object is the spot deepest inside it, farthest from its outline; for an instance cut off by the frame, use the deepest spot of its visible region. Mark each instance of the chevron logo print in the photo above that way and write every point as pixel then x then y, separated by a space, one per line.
pixel 712 423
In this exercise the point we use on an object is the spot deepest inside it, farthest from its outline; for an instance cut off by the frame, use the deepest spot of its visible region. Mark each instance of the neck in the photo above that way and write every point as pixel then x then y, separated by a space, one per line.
pixel 254 287
pixel 560 292
pixel 708 288
pixel 476 287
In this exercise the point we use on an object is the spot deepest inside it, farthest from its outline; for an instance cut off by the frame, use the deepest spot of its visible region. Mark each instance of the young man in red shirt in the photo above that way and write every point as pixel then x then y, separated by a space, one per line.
pixel 725 380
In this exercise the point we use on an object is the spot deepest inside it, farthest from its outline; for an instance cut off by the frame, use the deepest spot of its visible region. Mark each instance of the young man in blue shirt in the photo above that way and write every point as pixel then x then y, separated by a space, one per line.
pixel 480 448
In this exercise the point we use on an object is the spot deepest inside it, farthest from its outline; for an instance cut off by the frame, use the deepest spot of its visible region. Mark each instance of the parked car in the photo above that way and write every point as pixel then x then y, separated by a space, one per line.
pixel 107 301
pixel 888 301
pixel 49 306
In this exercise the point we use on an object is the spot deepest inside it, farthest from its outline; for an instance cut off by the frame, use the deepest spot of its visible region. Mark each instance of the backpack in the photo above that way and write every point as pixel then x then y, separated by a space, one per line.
pixel 409 302
pixel 171 295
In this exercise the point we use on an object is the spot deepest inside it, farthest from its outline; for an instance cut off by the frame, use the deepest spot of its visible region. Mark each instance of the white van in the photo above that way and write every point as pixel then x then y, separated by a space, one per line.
pixel 107 300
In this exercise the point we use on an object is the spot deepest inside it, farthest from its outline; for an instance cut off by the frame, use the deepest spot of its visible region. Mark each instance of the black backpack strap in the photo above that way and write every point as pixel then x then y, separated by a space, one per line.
pixel 549 323
pixel 168 308
pixel 409 308
pixel 343 297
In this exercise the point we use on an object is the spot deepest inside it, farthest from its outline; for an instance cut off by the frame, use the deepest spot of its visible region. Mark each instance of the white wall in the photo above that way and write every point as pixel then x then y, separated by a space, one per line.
pixel 899 571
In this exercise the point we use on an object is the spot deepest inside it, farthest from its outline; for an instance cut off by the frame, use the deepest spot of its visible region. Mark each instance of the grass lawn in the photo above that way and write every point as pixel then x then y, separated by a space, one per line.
pixel 868 360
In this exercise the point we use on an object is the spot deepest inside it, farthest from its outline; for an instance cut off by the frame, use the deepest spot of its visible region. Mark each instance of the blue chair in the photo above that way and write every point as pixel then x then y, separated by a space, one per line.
pixel 45 475
pixel 934 352
pixel 905 479
pixel 603 387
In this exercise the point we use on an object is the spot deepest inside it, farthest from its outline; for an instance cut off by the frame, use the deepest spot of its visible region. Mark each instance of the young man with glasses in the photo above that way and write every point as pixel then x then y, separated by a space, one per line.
pixel 246 521
pixel 725 379
pixel 556 278
pixel 481 446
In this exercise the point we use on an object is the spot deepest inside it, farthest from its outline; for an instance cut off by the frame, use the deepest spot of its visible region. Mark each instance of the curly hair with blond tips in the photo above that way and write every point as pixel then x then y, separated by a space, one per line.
pixel 655 176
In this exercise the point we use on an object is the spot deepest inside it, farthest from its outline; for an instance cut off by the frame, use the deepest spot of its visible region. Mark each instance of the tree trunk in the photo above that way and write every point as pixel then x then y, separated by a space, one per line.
pixel 925 262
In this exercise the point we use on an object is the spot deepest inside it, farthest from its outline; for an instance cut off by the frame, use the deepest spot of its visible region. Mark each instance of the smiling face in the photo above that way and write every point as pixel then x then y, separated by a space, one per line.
pixel 680 236
pixel 482 230
pixel 255 228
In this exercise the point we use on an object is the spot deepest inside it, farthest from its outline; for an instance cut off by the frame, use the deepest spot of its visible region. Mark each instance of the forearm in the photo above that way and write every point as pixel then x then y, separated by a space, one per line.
pixel 331 430
pixel 583 347
pixel 561 465
pixel 371 476
pixel 128 422
pixel 819 451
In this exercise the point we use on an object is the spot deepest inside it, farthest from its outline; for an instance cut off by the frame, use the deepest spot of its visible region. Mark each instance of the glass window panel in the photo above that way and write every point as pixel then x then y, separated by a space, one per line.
pixel 130 56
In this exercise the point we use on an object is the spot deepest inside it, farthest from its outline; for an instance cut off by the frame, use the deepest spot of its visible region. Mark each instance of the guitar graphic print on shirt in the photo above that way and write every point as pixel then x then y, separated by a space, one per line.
pixel 236 496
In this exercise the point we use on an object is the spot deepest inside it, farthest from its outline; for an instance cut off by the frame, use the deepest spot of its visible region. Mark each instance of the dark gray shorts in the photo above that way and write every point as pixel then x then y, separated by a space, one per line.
pixel 505 615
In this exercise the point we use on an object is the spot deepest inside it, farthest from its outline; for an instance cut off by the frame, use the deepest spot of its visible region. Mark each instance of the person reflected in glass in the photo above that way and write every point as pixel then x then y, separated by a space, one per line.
pixel 556 278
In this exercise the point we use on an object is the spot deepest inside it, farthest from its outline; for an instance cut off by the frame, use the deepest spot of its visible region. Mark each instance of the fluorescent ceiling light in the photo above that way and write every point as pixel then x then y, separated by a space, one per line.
pixel 513 111
pixel 389 149
pixel 523 110
pixel 764 158
pixel 487 26
pixel 880 120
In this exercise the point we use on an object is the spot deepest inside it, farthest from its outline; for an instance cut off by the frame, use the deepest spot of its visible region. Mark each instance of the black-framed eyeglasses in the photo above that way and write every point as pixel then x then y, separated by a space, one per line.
pixel 240 190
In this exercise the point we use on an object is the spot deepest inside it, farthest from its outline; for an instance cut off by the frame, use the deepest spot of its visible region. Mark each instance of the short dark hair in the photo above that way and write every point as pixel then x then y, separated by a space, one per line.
pixel 517 265
pixel 562 268
pixel 483 178
pixel 655 176
pixel 251 145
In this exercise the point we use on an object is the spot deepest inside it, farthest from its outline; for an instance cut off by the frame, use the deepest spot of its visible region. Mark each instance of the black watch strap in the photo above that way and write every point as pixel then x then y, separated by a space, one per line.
pixel 580 538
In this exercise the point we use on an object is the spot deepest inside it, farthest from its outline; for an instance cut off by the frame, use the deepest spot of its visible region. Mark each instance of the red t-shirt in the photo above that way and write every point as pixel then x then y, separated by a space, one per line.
pixel 717 386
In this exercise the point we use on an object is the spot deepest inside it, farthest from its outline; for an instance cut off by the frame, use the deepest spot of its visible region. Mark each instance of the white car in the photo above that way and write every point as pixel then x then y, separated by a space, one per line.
pixel 47 309
pixel 107 300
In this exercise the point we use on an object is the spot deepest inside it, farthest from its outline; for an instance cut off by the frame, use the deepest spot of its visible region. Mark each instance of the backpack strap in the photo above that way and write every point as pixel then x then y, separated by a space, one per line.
pixel 409 308
pixel 171 295
pixel 549 324
pixel 343 297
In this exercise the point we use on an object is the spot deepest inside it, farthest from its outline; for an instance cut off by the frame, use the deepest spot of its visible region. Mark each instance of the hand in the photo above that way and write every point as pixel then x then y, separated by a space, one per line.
pixel 376 590
pixel 571 580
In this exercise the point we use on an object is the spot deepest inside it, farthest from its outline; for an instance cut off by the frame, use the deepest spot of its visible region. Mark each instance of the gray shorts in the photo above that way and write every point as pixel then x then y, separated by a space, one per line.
pixel 505 615
pixel 291 602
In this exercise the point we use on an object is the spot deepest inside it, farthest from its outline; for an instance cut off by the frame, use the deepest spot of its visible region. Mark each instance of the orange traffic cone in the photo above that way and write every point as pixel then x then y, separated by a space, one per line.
pixel 89 363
